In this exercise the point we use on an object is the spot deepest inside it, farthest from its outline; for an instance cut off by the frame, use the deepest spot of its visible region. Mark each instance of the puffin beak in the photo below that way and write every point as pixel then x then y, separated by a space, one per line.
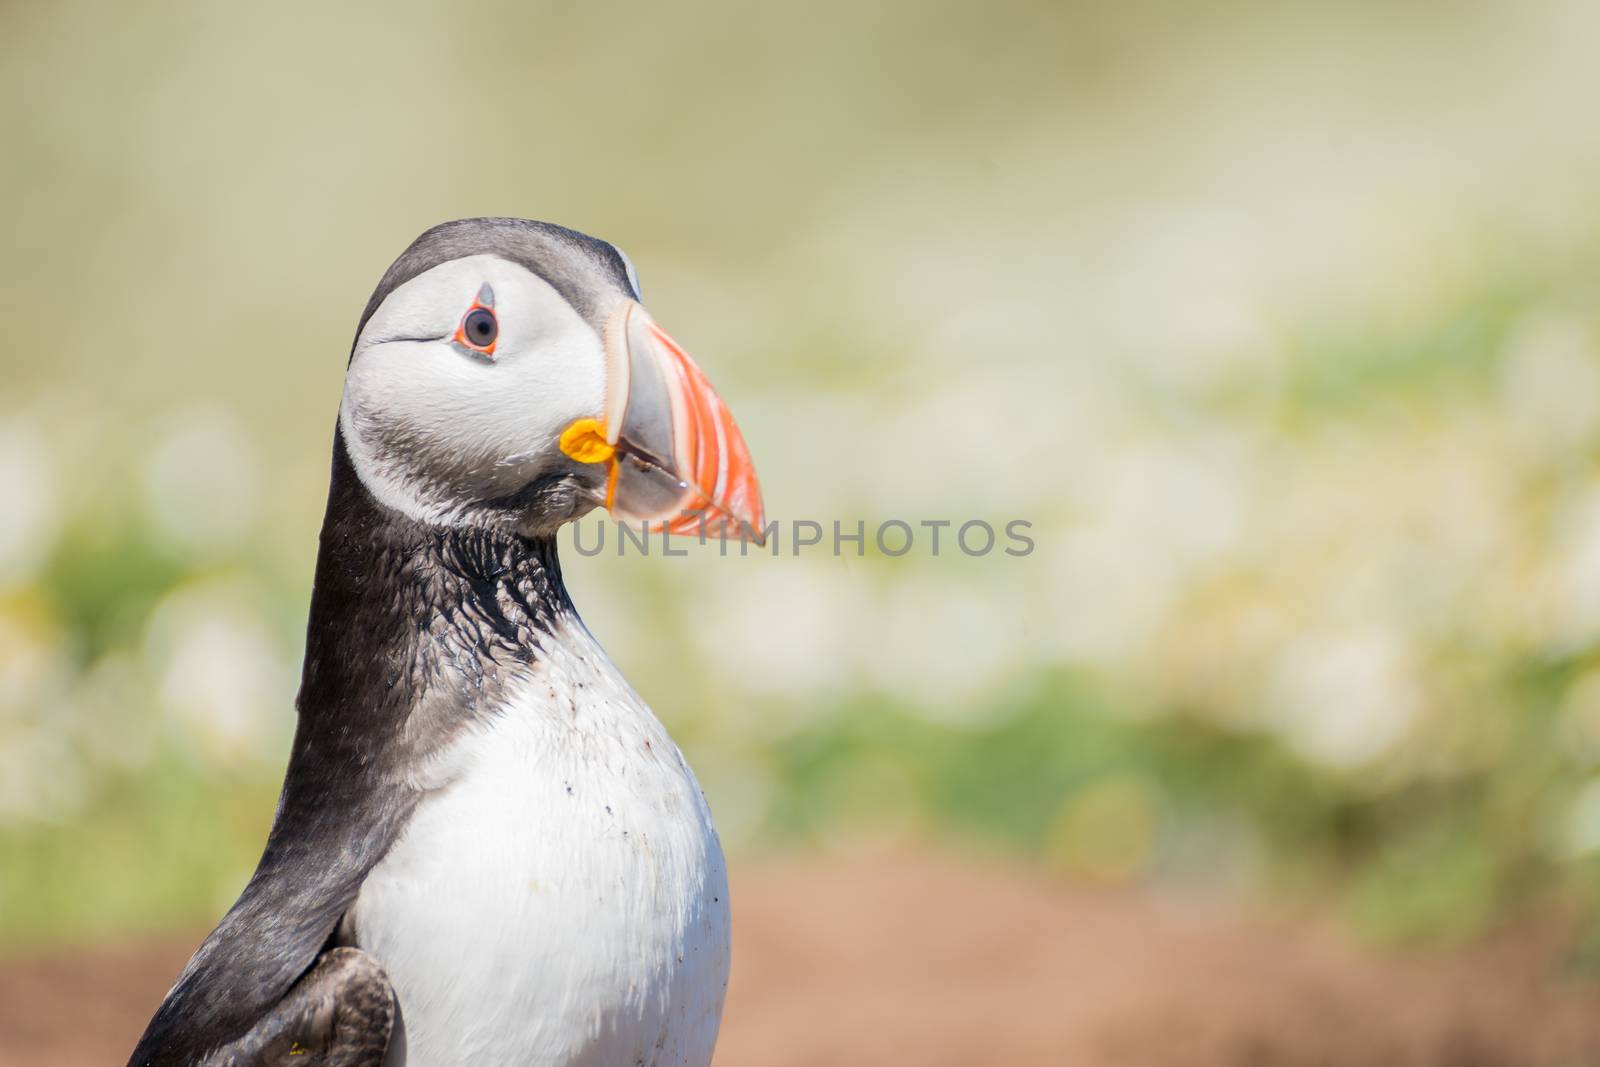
pixel 673 455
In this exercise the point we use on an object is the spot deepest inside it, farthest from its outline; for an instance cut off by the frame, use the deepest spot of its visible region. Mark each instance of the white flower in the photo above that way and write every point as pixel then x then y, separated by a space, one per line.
pixel 202 482
pixel 226 687
pixel 1343 698
pixel 30 517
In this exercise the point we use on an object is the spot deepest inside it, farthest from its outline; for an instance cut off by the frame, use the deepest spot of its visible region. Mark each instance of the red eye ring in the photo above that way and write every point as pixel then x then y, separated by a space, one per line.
pixel 479 329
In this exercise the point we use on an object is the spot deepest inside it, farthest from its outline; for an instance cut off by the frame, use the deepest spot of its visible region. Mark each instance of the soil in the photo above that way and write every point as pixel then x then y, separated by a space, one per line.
pixel 922 959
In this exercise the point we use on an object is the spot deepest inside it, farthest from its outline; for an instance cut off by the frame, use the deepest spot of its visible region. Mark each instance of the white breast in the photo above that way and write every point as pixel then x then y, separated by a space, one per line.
pixel 560 897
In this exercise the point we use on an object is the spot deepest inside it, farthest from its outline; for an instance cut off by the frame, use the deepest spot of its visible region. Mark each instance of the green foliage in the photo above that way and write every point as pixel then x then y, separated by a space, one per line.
pixel 168 849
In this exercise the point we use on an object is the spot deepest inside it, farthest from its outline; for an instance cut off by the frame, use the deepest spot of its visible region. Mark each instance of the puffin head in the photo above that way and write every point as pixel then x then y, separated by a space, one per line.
pixel 506 375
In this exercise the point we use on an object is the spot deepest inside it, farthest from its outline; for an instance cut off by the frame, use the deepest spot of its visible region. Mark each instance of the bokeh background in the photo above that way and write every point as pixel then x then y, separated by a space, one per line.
pixel 1277 321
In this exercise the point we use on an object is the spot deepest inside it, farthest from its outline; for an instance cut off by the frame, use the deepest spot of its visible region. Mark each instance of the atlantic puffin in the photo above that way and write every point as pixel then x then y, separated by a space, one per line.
pixel 487 850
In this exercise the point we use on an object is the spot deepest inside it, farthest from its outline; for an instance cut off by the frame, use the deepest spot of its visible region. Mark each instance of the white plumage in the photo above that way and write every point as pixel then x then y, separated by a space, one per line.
pixel 560 895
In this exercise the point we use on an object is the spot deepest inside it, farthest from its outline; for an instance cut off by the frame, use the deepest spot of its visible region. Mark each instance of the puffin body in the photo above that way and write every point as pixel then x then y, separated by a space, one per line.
pixel 487 849
pixel 574 820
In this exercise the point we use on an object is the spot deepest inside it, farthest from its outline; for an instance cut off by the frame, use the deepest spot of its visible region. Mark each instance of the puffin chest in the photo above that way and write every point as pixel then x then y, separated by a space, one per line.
pixel 559 896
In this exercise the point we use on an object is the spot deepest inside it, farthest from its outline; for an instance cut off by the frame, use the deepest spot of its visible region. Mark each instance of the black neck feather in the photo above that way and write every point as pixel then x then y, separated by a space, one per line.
pixel 412 626
pixel 415 631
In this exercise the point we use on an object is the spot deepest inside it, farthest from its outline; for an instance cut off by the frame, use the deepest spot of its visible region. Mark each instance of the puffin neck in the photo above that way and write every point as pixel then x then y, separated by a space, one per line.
pixel 415 627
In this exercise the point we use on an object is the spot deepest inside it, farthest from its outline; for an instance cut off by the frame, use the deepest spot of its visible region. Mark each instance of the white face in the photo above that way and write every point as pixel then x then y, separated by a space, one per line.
pixel 438 428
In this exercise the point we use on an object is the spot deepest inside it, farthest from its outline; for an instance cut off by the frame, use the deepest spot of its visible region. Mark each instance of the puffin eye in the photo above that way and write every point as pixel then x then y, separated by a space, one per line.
pixel 479 329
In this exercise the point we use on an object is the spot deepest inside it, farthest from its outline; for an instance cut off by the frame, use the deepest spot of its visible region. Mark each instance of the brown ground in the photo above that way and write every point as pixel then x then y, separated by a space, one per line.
pixel 927 961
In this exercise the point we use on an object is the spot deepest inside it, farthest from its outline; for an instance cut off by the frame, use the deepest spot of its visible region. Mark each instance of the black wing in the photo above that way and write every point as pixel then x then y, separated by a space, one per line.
pixel 345 797
pixel 326 838
pixel 341 1014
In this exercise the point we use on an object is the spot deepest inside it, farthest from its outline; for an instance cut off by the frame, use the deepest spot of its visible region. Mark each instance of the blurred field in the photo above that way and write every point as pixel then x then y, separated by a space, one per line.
pixel 1277 321
pixel 872 958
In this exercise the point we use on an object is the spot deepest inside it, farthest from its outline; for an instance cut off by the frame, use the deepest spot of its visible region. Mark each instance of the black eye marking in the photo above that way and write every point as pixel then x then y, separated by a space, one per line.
pixel 480 327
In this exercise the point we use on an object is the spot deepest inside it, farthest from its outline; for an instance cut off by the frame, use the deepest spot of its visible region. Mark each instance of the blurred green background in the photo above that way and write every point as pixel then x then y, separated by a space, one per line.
pixel 1278 322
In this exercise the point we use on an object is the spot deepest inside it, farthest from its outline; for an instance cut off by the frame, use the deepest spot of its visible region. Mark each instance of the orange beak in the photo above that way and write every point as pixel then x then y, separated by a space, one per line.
pixel 676 458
